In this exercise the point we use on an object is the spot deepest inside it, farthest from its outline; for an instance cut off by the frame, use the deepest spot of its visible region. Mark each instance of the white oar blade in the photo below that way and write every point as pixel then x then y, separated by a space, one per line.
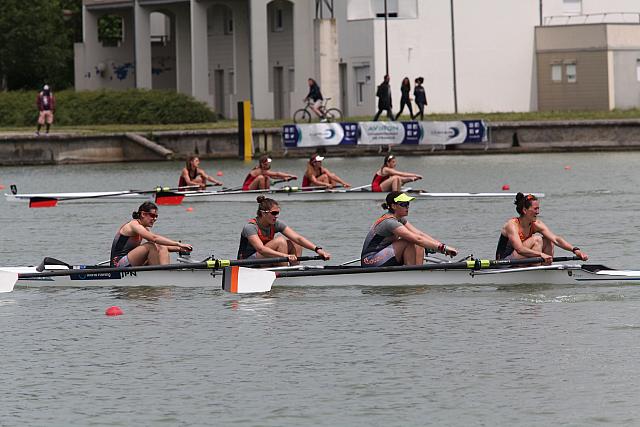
pixel 242 280
pixel 8 280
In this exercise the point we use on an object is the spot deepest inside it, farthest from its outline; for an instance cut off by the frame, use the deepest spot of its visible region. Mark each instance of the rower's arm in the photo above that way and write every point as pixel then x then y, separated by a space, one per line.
pixel 559 241
pixel 209 177
pixel 313 180
pixel 156 238
pixel 410 233
pixel 337 179
pixel 391 171
pixel 304 242
pixel 281 175
pixel 187 179
pixel 511 230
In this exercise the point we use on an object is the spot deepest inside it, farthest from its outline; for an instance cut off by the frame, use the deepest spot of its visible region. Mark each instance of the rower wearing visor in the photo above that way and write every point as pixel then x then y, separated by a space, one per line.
pixel 127 248
pixel 526 236
pixel 259 178
pixel 258 238
pixel 392 240
pixel 317 175
pixel 388 178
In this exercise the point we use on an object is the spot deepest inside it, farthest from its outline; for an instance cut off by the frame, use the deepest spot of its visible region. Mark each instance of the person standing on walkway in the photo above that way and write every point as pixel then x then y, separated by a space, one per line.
pixel 420 97
pixel 46 103
pixel 405 99
pixel 384 99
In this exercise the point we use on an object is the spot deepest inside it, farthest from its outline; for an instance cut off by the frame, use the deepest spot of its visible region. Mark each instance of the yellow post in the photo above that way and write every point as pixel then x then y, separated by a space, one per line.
pixel 245 137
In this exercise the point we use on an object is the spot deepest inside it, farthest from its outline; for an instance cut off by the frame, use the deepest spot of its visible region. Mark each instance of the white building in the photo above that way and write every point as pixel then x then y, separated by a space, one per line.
pixel 224 51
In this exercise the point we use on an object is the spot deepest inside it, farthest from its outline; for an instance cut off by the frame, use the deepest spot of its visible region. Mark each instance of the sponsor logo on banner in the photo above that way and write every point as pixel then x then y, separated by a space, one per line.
pixel 381 133
pixel 443 133
pixel 317 134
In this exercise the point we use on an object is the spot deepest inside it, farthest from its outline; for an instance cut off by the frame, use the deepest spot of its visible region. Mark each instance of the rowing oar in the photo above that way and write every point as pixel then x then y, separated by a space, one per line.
pixel 236 279
pixel 9 278
pixel 164 196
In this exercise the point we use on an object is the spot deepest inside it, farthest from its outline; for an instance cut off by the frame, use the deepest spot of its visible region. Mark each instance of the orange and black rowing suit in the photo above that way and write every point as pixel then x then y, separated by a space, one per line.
pixel 246 250
pixel 505 249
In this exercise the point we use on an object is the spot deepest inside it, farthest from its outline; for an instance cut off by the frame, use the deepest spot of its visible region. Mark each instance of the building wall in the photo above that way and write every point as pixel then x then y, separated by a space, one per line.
pixel 221 57
pixel 627 80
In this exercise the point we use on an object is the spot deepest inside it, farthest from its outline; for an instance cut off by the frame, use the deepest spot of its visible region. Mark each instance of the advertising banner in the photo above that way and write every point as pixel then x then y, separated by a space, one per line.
pixel 381 133
pixel 446 133
pixel 317 134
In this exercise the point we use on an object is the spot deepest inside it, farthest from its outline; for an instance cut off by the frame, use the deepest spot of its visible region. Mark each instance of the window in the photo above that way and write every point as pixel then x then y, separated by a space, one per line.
pixel 570 71
pixel 556 72
pixel 111 30
pixel 160 28
pixel 228 21
pixel 278 20
pixel 638 70
pixel 392 8
pixel 572 7
pixel 362 80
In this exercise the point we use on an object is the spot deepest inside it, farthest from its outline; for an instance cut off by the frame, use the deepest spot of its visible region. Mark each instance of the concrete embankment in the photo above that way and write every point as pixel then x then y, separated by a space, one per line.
pixel 505 137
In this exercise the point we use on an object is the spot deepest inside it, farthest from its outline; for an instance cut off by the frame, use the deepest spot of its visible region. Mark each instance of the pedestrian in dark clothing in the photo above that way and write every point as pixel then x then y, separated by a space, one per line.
pixel 405 88
pixel 384 99
pixel 420 97
pixel 46 103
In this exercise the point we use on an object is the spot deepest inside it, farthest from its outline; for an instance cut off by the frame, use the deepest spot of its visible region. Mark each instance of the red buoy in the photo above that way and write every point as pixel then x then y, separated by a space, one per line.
pixel 189 209
pixel 220 173
pixel 1 187
pixel 114 310
pixel 567 167
pixel 506 187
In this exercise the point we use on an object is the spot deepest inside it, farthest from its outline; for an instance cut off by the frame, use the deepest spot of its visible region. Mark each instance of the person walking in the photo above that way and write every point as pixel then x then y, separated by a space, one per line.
pixel 405 99
pixel 420 97
pixel 46 103
pixel 384 99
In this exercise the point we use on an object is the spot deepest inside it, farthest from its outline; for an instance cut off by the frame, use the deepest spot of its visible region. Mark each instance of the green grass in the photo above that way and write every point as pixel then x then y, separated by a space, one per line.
pixel 232 124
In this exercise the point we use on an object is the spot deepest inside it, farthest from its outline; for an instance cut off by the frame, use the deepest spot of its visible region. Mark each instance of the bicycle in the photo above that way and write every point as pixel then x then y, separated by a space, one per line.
pixel 304 115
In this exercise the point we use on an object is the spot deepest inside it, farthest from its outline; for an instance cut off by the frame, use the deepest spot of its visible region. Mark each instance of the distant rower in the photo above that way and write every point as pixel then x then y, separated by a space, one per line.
pixel 392 240
pixel 258 238
pixel 318 176
pixel 193 176
pixel 387 178
pixel 127 248
pixel 526 236
pixel 259 178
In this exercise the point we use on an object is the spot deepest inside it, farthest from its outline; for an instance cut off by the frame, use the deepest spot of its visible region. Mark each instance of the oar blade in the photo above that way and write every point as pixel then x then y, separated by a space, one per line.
pixel 242 280
pixel 169 198
pixel 42 202
pixel 8 280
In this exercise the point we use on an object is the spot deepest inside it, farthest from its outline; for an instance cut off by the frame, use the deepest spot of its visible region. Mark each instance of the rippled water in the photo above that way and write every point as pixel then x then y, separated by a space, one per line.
pixel 327 356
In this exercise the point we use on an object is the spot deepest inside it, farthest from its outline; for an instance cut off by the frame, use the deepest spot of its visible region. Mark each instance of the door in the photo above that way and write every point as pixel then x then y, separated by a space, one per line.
pixel 218 82
pixel 278 93
pixel 344 87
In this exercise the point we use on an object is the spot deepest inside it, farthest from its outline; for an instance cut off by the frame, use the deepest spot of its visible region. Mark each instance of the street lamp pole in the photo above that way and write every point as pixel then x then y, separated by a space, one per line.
pixel 453 56
pixel 386 39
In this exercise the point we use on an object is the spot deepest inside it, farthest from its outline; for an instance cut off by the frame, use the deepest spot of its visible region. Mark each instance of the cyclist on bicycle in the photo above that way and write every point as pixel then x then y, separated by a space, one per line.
pixel 314 97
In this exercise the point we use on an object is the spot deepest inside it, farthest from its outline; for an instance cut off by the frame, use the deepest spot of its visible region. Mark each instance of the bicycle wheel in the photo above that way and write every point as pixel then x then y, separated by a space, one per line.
pixel 302 116
pixel 333 115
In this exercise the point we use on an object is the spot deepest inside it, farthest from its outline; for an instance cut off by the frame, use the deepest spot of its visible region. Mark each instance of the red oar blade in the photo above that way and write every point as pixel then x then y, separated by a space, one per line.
pixel 168 198
pixel 42 202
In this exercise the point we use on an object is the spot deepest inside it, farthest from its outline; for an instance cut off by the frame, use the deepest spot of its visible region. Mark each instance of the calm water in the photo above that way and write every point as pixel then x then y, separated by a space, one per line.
pixel 327 356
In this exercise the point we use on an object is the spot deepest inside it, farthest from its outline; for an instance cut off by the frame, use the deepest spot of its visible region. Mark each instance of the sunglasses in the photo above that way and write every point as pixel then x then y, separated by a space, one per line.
pixel 274 213
pixel 152 215
pixel 403 204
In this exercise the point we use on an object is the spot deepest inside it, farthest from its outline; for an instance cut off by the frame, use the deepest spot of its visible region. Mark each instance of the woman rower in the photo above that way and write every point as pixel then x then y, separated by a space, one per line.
pixel 526 236
pixel 318 176
pixel 259 178
pixel 127 248
pixel 387 178
pixel 258 239
pixel 193 176
pixel 392 240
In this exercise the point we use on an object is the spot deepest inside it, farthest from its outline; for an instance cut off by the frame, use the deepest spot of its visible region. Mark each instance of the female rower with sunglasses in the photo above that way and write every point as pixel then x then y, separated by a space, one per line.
pixel 392 240
pixel 526 236
pixel 259 178
pixel 258 239
pixel 127 248
pixel 388 178
pixel 319 176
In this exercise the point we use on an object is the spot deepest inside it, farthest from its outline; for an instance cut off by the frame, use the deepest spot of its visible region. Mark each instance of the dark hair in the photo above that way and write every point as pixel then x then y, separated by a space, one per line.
pixel 524 202
pixel 389 200
pixel 265 204
pixel 263 159
pixel 406 82
pixel 387 158
pixel 188 163
pixel 145 207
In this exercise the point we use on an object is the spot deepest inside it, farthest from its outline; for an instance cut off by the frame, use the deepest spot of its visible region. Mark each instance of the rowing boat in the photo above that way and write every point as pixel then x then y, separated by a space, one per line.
pixel 443 274
pixel 288 194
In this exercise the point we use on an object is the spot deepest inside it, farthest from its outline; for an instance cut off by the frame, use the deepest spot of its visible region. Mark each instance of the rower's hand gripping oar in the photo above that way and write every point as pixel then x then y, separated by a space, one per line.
pixel 240 280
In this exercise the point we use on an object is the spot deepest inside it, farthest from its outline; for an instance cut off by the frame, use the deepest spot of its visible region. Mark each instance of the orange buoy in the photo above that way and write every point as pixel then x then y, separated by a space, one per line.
pixel 506 187
pixel 220 173
pixel 1 187
pixel 114 310
pixel 189 209
pixel 567 167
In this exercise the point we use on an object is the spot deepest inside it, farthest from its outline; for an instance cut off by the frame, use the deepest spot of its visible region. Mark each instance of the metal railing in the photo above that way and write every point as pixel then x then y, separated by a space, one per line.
pixel 594 18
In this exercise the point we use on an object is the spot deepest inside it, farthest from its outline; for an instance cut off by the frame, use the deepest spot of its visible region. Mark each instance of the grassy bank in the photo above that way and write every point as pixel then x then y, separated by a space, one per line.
pixel 231 124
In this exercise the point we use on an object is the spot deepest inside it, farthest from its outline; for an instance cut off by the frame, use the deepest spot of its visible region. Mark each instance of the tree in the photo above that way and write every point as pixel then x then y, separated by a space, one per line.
pixel 36 43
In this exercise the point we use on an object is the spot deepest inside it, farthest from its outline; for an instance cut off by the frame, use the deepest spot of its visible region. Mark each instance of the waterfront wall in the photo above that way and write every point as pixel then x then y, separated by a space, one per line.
pixel 506 137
